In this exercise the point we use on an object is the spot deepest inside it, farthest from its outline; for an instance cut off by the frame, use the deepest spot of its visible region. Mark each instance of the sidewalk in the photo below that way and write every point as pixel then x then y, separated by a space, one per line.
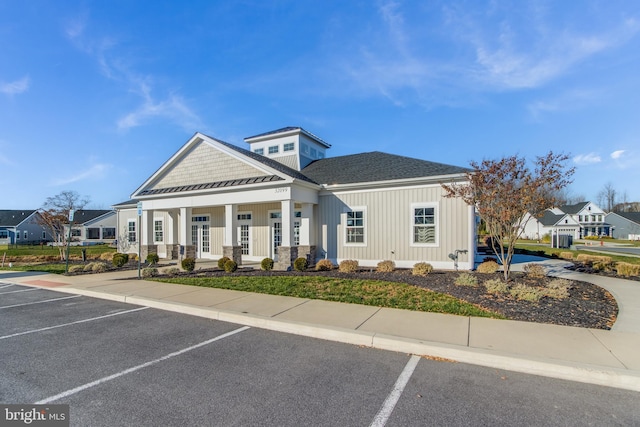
pixel 609 358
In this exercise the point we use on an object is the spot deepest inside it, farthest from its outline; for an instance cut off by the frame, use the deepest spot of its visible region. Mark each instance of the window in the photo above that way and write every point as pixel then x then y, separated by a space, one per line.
pixel 76 232
pixel 599 218
pixel 158 232
pixel 131 231
pixel 580 218
pixel 93 233
pixel 305 149
pixel 424 224
pixel 199 219
pixel 26 234
pixel 44 234
pixel 109 233
pixel 275 215
pixel 259 151
pixel 290 146
pixel 244 216
pixel 4 234
pixel 355 231
pixel 17 234
pixel 273 149
pixel 314 153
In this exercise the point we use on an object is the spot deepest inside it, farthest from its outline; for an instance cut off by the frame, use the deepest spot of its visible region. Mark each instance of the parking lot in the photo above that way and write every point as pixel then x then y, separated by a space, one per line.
pixel 120 364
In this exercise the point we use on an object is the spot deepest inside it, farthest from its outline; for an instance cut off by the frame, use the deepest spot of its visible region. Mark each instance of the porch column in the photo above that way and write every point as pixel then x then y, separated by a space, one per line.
pixel 286 251
pixel 171 235
pixel 307 247
pixel 231 249
pixel 146 234
pixel 184 234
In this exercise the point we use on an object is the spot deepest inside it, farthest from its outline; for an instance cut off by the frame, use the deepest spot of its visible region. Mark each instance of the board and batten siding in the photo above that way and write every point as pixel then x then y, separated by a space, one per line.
pixel 388 226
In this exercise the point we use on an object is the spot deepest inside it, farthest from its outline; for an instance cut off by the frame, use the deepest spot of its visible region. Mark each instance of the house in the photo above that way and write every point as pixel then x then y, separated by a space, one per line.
pixel 578 221
pixel 283 199
pixel 21 227
pixel 624 225
pixel 93 226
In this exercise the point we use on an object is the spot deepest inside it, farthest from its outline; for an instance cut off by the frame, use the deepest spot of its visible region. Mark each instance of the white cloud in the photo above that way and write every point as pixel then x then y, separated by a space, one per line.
pixel 617 154
pixel 97 171
pixel 587 159
pixel 16 87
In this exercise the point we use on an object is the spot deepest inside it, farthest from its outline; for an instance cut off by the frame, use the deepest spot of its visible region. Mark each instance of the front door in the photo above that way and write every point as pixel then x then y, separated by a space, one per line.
pixel 200 239
pixel 276 234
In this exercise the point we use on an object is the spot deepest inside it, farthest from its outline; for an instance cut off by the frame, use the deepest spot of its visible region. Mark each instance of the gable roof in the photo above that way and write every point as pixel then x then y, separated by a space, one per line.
pixel 631 216
pixel 12 218
pixel 85 215
pixel 375 166
pixel 549 218
pixel 573 209
pixel 290 129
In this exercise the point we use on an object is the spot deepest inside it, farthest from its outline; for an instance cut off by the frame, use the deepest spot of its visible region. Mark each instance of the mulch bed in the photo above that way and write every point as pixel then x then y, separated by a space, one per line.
pixel 587 306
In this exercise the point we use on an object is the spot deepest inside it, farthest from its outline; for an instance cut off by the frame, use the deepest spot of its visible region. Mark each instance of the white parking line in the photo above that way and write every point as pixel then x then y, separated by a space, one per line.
pixel 72 323
pixel 6 286
pixel 390 402
pixel 39 302
pixel 21 290
pixel 136 368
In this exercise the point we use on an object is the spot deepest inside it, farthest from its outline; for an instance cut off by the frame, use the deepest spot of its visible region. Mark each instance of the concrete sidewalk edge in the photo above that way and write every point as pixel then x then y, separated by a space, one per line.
pixel 552 368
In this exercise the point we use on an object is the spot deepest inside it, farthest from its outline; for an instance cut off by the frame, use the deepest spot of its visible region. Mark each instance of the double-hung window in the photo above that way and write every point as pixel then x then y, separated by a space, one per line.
pixel 158 231
pixel 131 231
pixel 424 228
pixel 355 227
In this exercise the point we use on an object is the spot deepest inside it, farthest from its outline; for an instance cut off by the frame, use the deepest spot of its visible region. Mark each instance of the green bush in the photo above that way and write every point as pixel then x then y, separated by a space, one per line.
pixel 189 264
pixel 421 269
pixel 488 267
pixel 536 271
pixel 546 238
pixel 324 265
pixel 149 272
pixel 386 266
pixel 230 266
pixel 222 261
pixel 120 259
pixel 99 267
pixel 300 264
pixel 267 264
pixel 153 258
pixel 466 279
pixel 496 286
pixel 348 266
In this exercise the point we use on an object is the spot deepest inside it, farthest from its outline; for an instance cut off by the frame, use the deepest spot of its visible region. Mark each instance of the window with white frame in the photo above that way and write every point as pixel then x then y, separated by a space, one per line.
pixel 131 231
pixel 355 226
pixel 273 149
pixel 158 231
pixel 259 151
pixel 17 234
pixel 26 235
pixel 424 223
pixel 290 146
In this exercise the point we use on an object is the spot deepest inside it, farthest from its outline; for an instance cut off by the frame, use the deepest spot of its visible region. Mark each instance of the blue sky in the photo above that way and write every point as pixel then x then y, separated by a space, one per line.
pixel 95 96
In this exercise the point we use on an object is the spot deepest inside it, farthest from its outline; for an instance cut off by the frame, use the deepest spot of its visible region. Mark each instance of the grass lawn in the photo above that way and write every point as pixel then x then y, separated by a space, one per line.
pixel 548 250
pixel 46 268
pixel 366 292
pixel 37 250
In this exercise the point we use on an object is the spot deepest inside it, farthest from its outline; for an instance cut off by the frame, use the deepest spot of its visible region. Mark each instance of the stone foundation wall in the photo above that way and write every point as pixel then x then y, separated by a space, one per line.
pixel 234 253
pixel 146 250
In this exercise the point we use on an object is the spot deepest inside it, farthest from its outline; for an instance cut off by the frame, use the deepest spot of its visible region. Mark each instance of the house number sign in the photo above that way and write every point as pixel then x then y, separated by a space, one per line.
pixel 282 190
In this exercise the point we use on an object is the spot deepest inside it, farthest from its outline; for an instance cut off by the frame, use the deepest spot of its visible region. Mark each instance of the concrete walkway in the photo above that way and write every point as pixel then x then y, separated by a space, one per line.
pixel 609 358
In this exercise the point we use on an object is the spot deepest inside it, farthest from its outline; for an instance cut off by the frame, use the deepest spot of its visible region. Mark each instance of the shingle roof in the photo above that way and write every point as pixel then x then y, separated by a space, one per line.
pixel 631 216
pixel 549 218
pixel 573 209
pixel 375 166
pixel 84 215
pixel 11 218
pixel 130 202
pixel 289 129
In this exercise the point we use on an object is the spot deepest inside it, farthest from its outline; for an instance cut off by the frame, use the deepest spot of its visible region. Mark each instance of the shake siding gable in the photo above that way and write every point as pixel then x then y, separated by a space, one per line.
pixel 204 164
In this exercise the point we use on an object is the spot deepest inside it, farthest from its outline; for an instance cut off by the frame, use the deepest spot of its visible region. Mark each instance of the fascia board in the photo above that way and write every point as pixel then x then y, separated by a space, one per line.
pixel 440 179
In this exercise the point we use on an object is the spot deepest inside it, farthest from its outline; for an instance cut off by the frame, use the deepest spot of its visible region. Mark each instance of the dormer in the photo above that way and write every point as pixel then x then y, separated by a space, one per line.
pixel 291 146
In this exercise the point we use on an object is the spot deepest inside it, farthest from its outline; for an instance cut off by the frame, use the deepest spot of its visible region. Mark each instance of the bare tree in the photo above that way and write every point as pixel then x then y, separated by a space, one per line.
pixel 54 215
pixel 505 191
pixel 607 197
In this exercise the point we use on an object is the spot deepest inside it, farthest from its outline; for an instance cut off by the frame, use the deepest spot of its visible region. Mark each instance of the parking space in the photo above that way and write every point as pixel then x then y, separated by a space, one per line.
pixel 120 364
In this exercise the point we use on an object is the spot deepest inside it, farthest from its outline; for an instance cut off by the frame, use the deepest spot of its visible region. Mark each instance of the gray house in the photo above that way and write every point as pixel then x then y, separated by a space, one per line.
pixel 625 225
pixel 283 198
pixel 93 226
pixel 21 227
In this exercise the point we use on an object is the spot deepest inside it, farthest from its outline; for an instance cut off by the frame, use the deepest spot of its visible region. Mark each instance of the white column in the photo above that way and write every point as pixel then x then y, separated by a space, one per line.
pixel 146 227
pixel 307 231
pixel 287 222
pixel 184 229
pixel 171 229
pixel 231 225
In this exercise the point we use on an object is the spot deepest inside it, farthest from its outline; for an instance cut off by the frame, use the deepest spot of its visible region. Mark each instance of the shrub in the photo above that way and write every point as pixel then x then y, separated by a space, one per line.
pixel 348 266
pixel 106 256
pixel 76 268
pixel 593 259
pixel 422 269
pixel 324 265
pixel 592 238
pixel 300 264
pixel 496 286
pixel 266 264
pixel 89 267
pixel 153 258
pixel 535 271
pixel 172 271
pixel 627 269
pixel 132 257
pixel 222 261
pixel 149 272
pixel 386 266
pixel 189 264
pixel 546 238
pixel 558 289
pixel 99 267
pixel 119 259
pixel 526 293
pixel 466 279
pixel 566 255
pixel 488 267
pixel 230 266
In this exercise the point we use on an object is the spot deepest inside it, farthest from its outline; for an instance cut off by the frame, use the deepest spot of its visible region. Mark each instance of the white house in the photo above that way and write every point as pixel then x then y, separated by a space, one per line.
pixel 579 221
pixel 283 199
pixel 93 226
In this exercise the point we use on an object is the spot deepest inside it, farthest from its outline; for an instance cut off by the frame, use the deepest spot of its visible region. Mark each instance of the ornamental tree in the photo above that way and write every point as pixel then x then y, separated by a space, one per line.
pixel 54 216
pixel 504 191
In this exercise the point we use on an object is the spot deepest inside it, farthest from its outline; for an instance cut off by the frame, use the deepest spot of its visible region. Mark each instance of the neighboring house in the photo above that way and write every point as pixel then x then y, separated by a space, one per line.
pixel 579 221
pixel 625 225
pixel 21 227
pixel 93 226
pixel 283 199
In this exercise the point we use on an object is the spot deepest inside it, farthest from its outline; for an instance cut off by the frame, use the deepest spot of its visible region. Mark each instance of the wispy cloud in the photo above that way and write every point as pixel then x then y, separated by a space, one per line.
pixel 567 101
pixel 587 159
pixel 15 87
pixel 617 154
pixel 97 171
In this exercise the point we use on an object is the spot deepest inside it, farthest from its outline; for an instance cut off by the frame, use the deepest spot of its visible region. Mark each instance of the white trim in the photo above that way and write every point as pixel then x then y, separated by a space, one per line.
pixel 161 221
pixel 436 225
pixel 373 185
pixel 365 228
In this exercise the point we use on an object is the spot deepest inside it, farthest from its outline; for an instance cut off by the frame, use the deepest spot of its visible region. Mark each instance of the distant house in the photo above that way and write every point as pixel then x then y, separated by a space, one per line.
pixel 579 221
pixel 625 225
pixel 21 227
pixel 283 199
pixel 93 226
